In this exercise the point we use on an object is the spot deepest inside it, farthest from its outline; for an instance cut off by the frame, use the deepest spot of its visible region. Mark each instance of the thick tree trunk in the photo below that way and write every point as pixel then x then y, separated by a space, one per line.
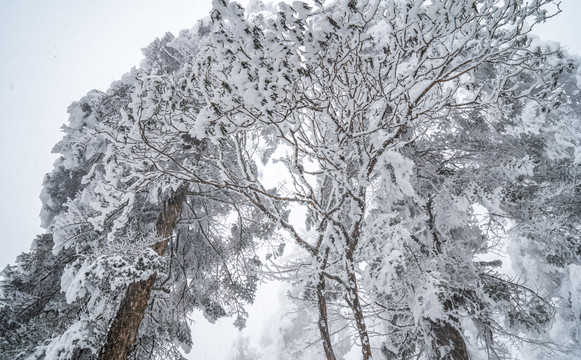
pixel 448 336
pixel 123 331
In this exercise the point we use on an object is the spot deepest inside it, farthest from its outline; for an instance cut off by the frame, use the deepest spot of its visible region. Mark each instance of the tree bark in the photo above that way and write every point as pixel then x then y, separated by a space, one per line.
pixel 352 298
pixel 448 336
pixel 323 322
pixel 125 326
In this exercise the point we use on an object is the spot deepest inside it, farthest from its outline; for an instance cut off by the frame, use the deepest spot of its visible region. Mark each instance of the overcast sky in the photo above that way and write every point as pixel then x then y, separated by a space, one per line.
pixel 54 51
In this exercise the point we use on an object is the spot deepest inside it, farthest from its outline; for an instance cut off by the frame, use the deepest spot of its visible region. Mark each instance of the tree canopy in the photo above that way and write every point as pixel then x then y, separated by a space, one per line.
pixel 394 147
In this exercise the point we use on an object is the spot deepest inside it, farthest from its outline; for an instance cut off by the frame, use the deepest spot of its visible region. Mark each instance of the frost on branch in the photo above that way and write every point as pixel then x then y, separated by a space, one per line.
pixel 418 139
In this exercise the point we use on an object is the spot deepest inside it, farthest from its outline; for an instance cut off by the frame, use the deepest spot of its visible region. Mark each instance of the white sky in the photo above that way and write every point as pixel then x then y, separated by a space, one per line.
pixel 53 52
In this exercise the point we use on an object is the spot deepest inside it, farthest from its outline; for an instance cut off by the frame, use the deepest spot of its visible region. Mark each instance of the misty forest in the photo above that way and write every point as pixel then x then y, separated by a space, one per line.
pixel 409 169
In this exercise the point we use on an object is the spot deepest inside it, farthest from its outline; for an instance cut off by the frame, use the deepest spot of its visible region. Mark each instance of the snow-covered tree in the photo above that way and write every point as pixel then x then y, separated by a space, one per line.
pixel 119 238
pixel 417 137
pixel 391 119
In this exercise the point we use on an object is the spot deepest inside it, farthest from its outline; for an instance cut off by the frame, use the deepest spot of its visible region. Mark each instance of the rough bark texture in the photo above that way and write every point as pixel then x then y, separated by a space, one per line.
pixel 323 323
pixel 448 336
pixel 125 326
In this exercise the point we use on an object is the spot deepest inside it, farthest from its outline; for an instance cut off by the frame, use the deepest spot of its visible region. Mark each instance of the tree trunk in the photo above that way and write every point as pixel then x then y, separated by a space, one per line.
pixel 448 336
pixel 323 322
pixel 123 331
pixel 352 298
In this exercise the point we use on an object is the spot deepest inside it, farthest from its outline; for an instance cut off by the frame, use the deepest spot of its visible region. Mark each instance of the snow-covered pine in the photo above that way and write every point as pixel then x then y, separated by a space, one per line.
pixel 102 204
pixel 545 248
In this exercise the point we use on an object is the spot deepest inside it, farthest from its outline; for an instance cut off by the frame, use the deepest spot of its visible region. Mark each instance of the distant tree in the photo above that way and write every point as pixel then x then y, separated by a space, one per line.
pixel 244 351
